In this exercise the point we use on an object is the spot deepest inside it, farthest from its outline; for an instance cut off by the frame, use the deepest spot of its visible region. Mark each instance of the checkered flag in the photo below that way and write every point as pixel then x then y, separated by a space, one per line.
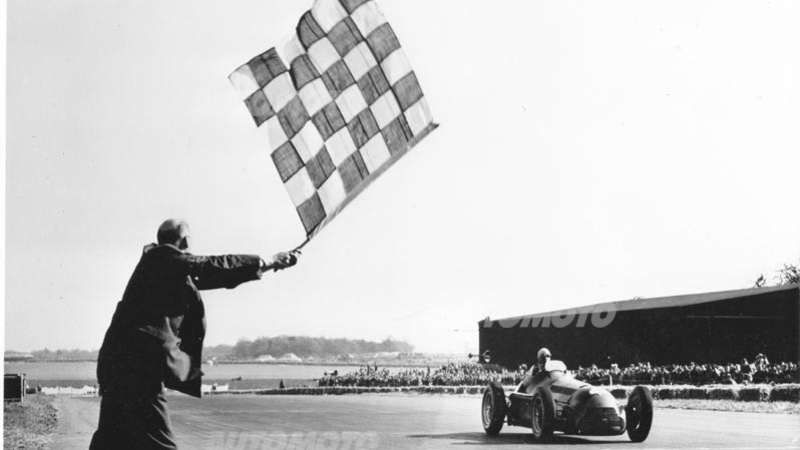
pixel 339 104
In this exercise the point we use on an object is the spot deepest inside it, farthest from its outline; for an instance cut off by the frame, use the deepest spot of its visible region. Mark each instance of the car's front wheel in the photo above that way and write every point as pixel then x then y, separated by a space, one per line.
pixel 639 413
pixel 493 409
pixel 543 414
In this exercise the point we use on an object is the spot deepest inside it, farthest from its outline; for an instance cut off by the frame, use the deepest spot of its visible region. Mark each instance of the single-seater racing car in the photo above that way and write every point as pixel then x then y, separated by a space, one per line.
pixel 552 400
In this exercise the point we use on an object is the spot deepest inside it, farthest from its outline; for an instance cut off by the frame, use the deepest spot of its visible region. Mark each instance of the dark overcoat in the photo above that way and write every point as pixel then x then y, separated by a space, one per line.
pixel 157 331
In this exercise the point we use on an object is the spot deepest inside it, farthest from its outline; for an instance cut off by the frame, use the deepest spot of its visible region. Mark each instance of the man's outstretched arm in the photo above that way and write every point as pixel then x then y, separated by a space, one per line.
pixel 229 271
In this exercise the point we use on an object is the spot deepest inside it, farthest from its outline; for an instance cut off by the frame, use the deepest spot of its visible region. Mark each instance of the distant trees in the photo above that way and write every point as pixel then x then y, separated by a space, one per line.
pixel 65 355
pixel 788 274
pixel 217 352
pixel 304 346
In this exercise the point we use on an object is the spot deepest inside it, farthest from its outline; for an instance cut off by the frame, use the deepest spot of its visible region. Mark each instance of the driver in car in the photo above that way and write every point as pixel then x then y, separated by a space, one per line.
pixel 536 373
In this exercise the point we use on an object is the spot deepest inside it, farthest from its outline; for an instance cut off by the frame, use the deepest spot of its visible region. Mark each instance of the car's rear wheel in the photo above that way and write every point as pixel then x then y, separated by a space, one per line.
pixel 543 413
pixel 493 409
pixel 639 413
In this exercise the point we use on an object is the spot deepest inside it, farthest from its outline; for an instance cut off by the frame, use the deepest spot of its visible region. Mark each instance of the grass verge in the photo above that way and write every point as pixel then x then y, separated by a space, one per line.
pixel 730 405
pixel 28 425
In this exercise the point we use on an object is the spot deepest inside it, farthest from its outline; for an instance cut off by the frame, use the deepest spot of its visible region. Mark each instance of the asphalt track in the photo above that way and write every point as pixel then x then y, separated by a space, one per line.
pixel 400 421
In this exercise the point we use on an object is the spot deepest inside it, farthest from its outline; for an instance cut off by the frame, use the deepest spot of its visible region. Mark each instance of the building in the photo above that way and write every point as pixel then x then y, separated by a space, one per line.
pixel 717 327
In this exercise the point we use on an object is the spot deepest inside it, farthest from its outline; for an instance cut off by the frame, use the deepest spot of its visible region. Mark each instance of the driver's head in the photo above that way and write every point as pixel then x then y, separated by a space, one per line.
pixel 542 356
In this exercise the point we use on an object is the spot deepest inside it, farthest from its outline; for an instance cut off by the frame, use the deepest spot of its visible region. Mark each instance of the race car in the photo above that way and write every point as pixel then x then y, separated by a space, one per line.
pixel 554 401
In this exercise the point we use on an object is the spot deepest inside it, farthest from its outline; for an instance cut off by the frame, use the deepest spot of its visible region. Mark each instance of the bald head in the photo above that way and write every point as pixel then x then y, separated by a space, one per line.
pixel 175 232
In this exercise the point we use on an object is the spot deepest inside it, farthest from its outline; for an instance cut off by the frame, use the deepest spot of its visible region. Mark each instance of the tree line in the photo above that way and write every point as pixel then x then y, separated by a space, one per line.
pixel 304 346
pixel 788 274
pixel 65 355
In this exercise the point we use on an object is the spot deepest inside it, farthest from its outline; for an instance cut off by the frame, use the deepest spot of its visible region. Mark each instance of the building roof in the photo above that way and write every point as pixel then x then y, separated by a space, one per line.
pixel 661 302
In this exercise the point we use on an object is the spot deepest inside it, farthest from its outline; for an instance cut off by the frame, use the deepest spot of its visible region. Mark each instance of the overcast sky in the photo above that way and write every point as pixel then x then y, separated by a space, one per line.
pixel 588 152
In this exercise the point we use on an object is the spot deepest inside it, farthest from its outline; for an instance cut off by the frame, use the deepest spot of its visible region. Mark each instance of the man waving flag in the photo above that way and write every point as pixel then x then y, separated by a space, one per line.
pixel 338 104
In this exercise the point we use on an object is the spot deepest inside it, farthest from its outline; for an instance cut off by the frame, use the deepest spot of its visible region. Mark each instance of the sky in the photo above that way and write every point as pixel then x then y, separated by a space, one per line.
pixel 587 152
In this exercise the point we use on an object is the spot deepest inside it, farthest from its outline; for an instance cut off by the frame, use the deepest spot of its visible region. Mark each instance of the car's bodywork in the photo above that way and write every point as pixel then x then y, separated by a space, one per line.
pixel 552 400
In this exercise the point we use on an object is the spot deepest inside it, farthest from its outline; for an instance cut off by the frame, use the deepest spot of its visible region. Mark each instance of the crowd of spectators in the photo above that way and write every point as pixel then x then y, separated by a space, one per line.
pixel 451 374
pixel 757 372
pixel 472 374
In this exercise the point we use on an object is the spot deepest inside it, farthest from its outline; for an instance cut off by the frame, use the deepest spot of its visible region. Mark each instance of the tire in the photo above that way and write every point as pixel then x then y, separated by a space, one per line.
pixel 493 409
pixel 543 413
pixel 639 414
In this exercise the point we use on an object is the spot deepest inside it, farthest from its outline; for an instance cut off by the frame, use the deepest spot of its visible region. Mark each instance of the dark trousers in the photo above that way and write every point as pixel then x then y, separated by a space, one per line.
pixel 130 423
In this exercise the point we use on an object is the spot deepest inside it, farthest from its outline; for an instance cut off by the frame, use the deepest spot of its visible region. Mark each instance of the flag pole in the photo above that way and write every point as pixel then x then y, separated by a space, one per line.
pixel 300 247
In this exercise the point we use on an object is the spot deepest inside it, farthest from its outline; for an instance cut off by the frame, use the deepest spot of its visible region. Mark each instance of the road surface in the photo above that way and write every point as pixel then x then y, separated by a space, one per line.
pixel 399 421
